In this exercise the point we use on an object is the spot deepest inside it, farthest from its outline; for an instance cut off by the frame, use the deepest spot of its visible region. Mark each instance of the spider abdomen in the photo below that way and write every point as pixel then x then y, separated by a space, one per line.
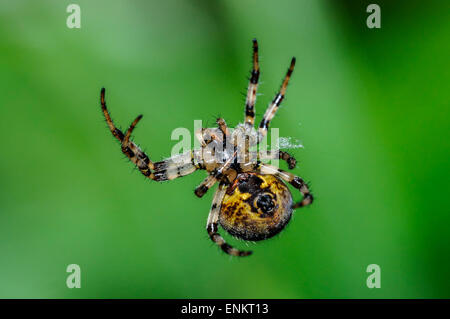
pixel 256 207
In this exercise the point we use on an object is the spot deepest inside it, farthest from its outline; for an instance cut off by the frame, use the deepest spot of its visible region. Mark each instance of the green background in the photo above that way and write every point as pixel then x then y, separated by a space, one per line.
pixel 371 107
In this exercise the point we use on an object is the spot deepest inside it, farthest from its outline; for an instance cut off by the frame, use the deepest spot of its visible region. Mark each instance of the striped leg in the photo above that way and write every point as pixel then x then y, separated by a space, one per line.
pixel 130 149
pixel 212 225
pixel 160 171
pixel 252 87
pixel 285 156
pixel 208 135
pixel 204 186
pixel 178 166
pixel 216 175
pixel 223 128
pixel 295 181
pixel 273 107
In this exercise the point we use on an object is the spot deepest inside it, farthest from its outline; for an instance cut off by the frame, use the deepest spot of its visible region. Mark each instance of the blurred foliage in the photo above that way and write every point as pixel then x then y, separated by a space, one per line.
pixel 370 106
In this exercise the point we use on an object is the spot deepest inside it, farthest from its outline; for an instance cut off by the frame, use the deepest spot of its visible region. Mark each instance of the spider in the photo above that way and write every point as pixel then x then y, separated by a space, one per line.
pixel 252 201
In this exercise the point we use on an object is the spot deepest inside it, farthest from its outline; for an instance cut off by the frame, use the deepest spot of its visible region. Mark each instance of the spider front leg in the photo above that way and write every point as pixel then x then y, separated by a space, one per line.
pixel 295 181
pixel 252 88
pixel 212 224
pixel 130 149
pixel 160 171
pixel 223 127
pixel 273 107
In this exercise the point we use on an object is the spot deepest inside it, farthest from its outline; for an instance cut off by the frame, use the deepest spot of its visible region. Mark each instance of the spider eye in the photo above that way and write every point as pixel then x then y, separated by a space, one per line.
pixel 265 203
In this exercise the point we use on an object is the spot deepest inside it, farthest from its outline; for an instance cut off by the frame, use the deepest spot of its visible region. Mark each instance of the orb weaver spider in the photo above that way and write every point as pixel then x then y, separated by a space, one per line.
pixel 251 202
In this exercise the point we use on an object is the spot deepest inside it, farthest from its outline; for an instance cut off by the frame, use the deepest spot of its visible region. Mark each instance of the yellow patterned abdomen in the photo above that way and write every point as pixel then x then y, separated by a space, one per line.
pixel 256 207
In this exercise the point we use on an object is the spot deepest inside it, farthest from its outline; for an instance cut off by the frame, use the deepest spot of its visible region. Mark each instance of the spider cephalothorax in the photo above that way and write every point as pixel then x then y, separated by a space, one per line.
pixel 252 202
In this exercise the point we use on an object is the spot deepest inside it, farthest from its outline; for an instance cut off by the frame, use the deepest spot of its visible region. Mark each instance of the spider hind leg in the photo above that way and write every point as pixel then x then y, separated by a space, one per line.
pixel 295 181
pixel 272 155
pixel 212 225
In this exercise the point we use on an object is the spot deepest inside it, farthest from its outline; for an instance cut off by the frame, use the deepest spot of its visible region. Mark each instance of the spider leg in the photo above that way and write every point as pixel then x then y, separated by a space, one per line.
pixel 285 156
pixel 275 104
pixel 227 141
pixel 206 136
pixel 212 178
pixel 174 167
pixel 204 186
pixel 223 127
pixel 178 166
pixel 252 87
pixel 212 224
pixel 295 181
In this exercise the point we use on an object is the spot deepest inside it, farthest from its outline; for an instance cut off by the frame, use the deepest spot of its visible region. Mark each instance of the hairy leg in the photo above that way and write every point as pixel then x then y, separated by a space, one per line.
pixel 213 177
pixel 212 225
pixel 252 88
pixel 178 166
pixel 160 171
pixel 295 181
pixel 223 127
pixel 275 104
pixel 285 156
